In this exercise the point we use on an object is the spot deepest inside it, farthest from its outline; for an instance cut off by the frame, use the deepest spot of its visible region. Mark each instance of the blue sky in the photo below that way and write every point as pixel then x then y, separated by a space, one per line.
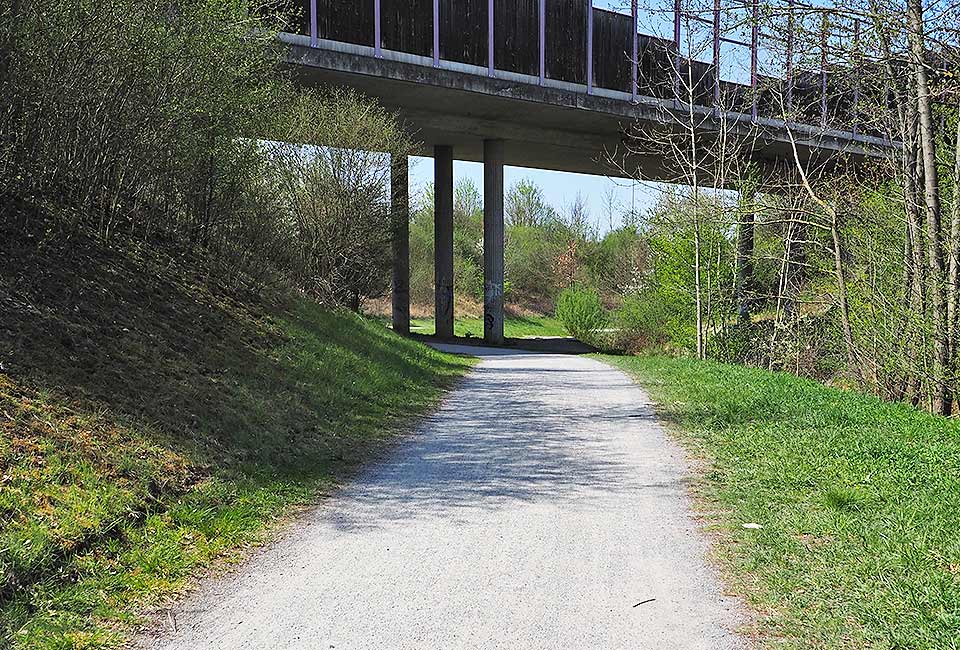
pixel 560 188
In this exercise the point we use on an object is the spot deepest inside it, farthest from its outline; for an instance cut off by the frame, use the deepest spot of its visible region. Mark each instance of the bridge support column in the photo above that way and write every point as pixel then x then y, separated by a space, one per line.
pixel 493 241
pixel 443 240
pixel 400 225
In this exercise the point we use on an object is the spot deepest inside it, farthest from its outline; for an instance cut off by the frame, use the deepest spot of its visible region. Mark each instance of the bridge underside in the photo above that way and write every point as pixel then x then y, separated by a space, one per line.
pixel 554 126
pixel 458 111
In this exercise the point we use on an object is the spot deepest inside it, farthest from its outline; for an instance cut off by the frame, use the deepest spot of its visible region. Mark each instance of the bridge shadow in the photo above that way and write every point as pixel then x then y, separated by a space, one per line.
pixel 494 446
pixel 547 345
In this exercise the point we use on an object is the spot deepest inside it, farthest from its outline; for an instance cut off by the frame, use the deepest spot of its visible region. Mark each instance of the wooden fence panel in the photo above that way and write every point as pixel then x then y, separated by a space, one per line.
pixel 463 31
pixel 517 36
pixel 407 26
pixel 656 67
pixel 612 50
pixel 567 40
pixel 347 21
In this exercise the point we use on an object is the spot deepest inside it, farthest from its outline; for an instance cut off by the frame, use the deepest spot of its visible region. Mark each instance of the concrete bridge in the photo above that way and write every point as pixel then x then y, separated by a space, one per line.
pixel 559 85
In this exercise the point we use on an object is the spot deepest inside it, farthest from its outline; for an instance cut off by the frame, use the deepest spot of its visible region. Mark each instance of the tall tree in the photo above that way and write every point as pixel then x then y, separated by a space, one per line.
pixel 931 178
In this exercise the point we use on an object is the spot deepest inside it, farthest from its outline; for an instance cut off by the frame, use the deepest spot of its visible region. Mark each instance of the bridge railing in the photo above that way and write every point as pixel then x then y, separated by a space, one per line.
pixel 794 60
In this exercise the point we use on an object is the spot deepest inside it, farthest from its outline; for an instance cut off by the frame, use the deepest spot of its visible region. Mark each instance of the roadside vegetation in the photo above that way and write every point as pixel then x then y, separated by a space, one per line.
pixel 187 238
pixel 844 270
pixel 857 499
pixel 547 249
pixel 151 424
pixel 840 269
pixel 181 255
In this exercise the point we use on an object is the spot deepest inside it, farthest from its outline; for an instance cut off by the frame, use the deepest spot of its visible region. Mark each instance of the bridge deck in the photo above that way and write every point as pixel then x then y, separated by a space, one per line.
pixel 560 82
pixel 552 125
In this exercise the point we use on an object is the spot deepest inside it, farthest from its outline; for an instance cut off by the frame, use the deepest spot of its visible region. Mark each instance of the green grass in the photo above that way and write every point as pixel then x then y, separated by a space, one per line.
pixel 859 502
pixel 514 327
pixel 150 427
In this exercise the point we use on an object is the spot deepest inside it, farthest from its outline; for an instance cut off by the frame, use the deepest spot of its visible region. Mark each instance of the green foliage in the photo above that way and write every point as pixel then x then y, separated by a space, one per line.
pixel 544 250
pixel 581 312
pixel 645 323
pixel 421 249
pixel 468 241
pixel 659 310
pixel 525 206
pixel 619 260
pixel 530 260
pixel 146 121
pixel 335 216
pixel 743 342
pixel 467 245
pixel 160 412
pixel 808 346
pixel 857 499
pixel 549 252
pixel 881 321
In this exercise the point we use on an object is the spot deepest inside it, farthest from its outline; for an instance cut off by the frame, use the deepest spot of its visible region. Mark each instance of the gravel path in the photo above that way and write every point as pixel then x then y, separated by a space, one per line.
pixel 535 509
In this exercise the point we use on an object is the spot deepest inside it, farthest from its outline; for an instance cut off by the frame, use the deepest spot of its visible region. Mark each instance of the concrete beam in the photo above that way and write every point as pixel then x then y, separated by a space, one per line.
pixel 493 155
pixel 443 240
pixel 400 223
pixel 555 126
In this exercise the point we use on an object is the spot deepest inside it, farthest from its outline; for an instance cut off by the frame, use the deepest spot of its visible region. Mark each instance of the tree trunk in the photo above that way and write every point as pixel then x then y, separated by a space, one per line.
pixel 942 402
pixel 914 301
pixel 701 347
pixel 695 184
pixel 842 295
pixel 915 290
pixel 953 277
pixel 912 173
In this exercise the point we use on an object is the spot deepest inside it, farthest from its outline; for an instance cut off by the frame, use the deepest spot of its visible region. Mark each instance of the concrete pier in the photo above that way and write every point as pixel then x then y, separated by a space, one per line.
pixel 400 223
pixel 443 239
pixel 493 157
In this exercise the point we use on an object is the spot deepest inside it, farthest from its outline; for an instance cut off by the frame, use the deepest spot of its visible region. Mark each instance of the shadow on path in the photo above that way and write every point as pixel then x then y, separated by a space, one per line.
pixel 516 430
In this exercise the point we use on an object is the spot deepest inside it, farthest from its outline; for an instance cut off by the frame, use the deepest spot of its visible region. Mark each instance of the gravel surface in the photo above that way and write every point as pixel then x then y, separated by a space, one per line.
pixel 537 507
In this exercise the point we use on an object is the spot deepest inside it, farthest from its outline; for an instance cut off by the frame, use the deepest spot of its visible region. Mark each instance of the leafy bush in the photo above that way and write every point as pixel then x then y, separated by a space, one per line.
pixel 641 324
pixel 421 250
pixel 467 244
pixel 335 201
pixel 619 261
pixel 743 342
pixel 530 261
pixel 581 312
pixel 151 121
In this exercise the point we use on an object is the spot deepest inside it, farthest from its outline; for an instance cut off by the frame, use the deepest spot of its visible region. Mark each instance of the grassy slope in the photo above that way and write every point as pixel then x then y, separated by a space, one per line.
pixel 513 327
pixel 859 502
pixel 148 426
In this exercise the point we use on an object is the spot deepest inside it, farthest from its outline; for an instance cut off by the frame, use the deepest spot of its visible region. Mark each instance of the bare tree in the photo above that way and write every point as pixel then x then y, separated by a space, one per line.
pixel 702 151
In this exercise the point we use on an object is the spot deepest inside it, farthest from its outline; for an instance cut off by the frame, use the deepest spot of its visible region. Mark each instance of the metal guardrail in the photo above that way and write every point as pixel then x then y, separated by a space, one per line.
pixel 711 18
